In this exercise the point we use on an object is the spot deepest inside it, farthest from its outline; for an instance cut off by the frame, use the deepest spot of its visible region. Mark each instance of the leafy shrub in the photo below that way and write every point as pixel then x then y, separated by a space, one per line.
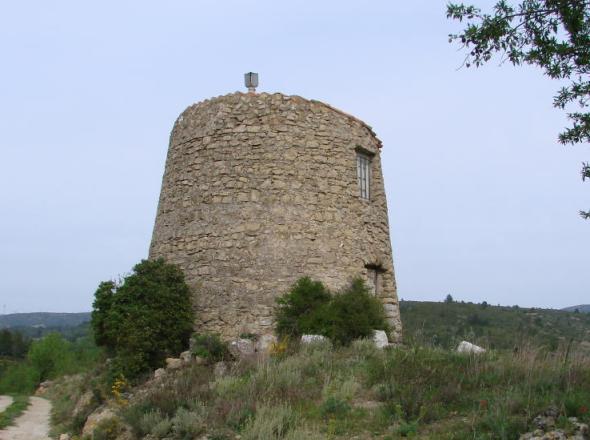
pixel 145 318
pixel 48 358
pixel 309 308
pixel 302 309
pixel 19 378
pixel 13 344
pixel 101 309
pixel 210 347
pixel 50 355
pixel 355 314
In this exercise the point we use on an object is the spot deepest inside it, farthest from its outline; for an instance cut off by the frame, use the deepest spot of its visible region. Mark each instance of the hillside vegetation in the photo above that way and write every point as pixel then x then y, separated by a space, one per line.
pixel 43 319
pixel 322 392
pixel 338 388
pixel 446 324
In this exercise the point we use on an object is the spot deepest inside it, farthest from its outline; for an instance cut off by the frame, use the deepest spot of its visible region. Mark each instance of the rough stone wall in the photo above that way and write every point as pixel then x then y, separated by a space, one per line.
pixel 260 190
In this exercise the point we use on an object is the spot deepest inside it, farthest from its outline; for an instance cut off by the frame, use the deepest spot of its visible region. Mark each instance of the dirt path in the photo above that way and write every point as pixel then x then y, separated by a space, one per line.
pixel 5 402
pixel 33 424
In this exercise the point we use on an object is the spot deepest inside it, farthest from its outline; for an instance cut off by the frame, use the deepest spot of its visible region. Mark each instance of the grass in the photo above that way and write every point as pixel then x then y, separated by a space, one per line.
pixel 420 390
pixel 322 392
pixel 16 408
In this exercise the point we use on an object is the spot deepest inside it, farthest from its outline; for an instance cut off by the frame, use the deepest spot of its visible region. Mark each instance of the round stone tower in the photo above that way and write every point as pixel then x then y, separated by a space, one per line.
pixel 262 189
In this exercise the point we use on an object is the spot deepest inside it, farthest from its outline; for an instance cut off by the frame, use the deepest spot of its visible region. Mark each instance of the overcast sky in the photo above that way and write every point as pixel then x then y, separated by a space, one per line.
pixel 483 201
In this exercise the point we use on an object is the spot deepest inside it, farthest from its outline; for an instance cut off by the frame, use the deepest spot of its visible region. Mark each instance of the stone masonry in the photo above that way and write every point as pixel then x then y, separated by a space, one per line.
pixel 262 189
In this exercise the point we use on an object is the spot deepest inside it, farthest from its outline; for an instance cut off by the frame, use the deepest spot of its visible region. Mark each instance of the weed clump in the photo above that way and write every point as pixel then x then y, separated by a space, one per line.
pixel 210 347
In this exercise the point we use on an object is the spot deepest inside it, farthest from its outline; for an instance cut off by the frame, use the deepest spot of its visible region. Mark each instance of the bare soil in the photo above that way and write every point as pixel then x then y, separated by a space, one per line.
pixel 5 402
pixel 33 424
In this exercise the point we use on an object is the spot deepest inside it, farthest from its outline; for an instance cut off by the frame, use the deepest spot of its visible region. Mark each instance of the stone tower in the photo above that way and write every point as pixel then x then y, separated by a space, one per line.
pixel 262 189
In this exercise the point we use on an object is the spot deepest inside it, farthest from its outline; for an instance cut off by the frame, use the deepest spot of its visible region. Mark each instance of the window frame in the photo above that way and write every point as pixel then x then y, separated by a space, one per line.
pixel 364 173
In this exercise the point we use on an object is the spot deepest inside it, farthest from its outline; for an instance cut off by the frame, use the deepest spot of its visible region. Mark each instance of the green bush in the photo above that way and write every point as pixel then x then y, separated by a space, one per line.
pixel 309 308
pixel 210 347
pixel 13 344
pixel 145 318
pixel 302 310
pixel 19 378
pixel 48 358
pixel 51 356
pixel 355 314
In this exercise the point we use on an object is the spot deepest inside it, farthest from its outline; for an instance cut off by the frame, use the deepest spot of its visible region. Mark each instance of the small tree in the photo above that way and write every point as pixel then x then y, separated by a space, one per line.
pixel 449 299
pixel 50 356
pixel 146 318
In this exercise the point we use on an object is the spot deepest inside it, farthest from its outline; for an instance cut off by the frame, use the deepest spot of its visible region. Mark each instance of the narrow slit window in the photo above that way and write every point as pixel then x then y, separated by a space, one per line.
pixel 363 170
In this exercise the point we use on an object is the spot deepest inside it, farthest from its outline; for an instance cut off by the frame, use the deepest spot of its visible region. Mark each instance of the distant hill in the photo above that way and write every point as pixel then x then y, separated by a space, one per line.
pixel 446 324
pixel 43 319
pixel 581 308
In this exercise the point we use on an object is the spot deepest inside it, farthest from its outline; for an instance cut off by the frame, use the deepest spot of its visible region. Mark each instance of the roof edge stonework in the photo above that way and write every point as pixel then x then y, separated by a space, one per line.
pixel 287 97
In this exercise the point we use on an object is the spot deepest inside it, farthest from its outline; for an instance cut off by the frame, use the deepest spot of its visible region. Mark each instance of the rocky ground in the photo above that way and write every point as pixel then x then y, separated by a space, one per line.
pixel 546 428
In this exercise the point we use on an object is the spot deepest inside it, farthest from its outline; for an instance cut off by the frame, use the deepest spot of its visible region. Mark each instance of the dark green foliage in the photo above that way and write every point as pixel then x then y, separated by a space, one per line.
pixel 309 308
pixel 13 344
pixel 551 34
pixel 48 358
pixel 69 332
pixel 146 318
pixel 49 355
pixel 101 309
pixel 16 408
pixel 18 378
pixel 210 347
pixel 302 309
pixel 354 314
